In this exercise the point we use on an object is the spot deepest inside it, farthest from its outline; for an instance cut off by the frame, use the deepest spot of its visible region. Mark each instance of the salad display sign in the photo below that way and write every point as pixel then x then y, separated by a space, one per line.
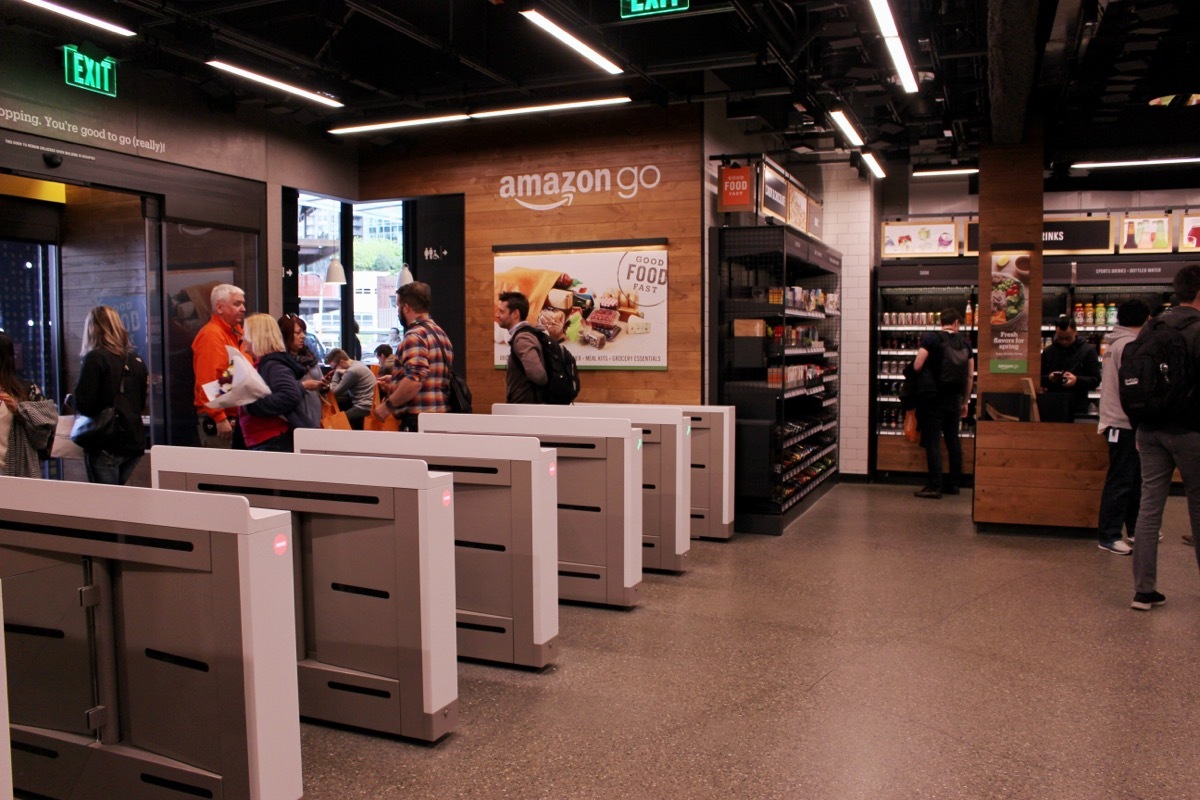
pixel 937 238
pixel 611 305
pixel 1190 238
pixel 1009 313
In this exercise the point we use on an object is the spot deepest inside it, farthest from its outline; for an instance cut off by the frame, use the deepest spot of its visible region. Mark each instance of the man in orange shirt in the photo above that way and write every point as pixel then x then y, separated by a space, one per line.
pixel 210 360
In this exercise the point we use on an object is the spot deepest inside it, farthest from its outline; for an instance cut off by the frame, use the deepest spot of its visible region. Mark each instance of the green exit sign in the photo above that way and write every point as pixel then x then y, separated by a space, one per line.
pixel 644 8
pixel 84 72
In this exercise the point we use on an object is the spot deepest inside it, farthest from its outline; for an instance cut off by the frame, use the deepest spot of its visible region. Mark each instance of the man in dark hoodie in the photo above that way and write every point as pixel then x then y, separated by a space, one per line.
pixel 1070 369
pixel 1123 483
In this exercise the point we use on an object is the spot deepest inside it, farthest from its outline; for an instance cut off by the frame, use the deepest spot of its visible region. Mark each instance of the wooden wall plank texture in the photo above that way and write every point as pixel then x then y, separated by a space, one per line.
pixel 471 160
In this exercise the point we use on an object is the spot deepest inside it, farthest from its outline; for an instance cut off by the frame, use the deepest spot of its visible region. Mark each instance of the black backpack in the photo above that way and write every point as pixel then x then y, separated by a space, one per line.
pixel 562 374
pixel 1157 376
pixel 955 355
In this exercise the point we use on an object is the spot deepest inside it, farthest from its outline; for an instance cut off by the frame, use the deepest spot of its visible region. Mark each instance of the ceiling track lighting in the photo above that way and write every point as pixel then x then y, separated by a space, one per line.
pixel 503 112
pixel 891 38
pixel 1145 162
pixel 274 84
pixel 78 16
pixel 552 28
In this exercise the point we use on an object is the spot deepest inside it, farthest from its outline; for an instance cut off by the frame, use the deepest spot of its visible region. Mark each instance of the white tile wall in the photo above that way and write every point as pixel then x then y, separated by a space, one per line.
pixel 851 225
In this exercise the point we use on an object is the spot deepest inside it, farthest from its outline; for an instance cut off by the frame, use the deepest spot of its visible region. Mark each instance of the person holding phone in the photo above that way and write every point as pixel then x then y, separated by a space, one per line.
pixel 1070 369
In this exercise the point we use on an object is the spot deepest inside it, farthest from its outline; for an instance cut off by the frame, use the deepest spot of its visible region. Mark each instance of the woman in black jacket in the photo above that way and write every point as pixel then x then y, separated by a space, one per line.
pixel 112 376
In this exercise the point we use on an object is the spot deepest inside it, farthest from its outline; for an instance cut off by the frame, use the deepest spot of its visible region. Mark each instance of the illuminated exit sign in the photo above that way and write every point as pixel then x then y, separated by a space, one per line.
pixel 644 8
pixel 85 72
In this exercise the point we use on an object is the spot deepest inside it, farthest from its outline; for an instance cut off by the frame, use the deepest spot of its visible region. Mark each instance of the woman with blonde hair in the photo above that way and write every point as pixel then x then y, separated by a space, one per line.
pixel 27 419
pixel 113 376
pixel 267 423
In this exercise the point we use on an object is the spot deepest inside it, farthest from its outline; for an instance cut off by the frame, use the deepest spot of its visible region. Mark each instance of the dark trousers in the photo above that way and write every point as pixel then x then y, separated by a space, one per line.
pixel 938 419
pixel 104 466
pixel 1122 486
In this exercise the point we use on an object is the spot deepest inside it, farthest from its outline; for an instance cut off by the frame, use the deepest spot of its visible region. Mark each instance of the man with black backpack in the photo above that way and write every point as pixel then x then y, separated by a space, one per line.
pixel 1167 413
pixel 539 370
pixel 946 355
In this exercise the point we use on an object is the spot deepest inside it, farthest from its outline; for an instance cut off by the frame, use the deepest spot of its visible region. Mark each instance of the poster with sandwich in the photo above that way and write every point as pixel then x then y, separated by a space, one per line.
pixel 609 307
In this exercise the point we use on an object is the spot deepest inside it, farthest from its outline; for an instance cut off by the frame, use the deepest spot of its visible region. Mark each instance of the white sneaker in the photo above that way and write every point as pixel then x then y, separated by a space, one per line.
pixel 1118 548
pixel 1130 538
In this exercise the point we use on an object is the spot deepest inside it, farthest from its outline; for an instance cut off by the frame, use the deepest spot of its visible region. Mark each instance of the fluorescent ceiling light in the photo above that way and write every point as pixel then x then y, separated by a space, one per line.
pixel 571 42
pixel 1146 162
pixel 900 62
pixel 403 123
pixel 891 37
pixel 937 173
pixel 508 112
pixel 503 112
pixel 843 122
pixel 876 170
pixel 75 15
pixel 284 87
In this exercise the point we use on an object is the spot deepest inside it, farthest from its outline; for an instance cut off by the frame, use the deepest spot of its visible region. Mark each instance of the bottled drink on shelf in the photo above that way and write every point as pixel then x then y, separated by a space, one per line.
pixel 1089 314
pixel 969 315
pixel 1110 317
pixel 1078 314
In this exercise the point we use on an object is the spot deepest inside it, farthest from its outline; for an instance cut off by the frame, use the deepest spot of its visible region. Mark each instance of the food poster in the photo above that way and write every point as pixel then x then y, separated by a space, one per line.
pixel 1009 313
pixel 909 239
pixel 611 305
pixel 1145 235
pixel 1189 239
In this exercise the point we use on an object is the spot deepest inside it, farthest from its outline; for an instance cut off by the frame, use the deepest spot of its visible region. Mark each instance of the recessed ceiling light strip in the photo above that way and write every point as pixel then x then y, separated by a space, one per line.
pixel 1145 162
pixel 503 112
pixel 283 87
pixel 81 17
pixel 570 41
pixel 940 173
pixel 873 165
pixel 846 126
pixel 891 38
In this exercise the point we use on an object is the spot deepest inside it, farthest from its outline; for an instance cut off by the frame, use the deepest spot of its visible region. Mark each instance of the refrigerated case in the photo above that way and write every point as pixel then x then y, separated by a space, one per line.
pixel 910 299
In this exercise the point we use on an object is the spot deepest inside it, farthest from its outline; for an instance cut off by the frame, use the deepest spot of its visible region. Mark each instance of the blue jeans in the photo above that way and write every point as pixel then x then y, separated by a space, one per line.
pixel 1162 451
pixel 1122 496
pixel 111 468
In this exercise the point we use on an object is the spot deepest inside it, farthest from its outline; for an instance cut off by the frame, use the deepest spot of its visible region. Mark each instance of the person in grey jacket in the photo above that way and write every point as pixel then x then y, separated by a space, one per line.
pixel 1123 484
pixel 353 384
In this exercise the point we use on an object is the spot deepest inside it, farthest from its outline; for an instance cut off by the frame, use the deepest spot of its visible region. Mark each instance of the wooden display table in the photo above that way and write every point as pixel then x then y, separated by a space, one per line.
pixel 898 454
pixel 1039 473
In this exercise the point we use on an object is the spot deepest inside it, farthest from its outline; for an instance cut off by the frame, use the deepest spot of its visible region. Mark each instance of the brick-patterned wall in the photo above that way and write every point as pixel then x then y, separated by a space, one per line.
pixel 851 227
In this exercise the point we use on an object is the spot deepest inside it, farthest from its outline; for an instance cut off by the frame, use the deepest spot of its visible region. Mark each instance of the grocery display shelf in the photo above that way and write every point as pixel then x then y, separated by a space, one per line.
pixel 807 433
pixel 828 401
pixel 737 307
pixel 962 328
pixel 898 352
pixel 890 432
pixel 806 490
pixel 800 391
pixel 807 462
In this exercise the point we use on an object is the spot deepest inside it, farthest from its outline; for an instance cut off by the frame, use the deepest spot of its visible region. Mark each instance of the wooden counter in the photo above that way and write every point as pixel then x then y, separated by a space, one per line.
pixel 1039 473
pixel 898 454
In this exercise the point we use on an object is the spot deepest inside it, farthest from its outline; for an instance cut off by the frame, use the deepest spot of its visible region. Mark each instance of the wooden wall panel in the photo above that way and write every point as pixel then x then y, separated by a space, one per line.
pixel 897 454
pixel 472 159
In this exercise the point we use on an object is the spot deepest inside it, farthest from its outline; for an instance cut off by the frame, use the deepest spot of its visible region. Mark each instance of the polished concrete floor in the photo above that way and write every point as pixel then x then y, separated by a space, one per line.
pixel 879 649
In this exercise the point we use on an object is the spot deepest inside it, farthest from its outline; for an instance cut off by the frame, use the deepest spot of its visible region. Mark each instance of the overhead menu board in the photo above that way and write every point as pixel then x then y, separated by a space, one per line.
pixel 937 238
pixel 773 200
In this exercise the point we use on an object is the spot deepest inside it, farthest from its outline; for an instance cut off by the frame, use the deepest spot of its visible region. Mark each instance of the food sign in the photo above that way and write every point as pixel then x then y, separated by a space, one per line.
pixel 1008 313
pixel 610 305
pixel 937 238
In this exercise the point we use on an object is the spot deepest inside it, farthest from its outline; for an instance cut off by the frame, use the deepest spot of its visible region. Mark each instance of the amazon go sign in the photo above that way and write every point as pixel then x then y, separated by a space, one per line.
pixel 542 191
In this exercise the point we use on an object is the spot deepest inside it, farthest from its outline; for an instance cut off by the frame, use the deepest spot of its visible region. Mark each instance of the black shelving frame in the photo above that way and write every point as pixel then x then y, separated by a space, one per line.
pixel 787 430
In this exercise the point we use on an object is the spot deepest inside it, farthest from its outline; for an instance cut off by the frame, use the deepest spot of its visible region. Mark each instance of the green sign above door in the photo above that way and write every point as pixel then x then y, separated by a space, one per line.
pixel 93 75
pixel 644 8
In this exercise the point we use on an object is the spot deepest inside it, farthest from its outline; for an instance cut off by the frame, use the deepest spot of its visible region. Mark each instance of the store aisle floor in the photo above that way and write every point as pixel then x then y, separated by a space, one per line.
pixel 880 649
